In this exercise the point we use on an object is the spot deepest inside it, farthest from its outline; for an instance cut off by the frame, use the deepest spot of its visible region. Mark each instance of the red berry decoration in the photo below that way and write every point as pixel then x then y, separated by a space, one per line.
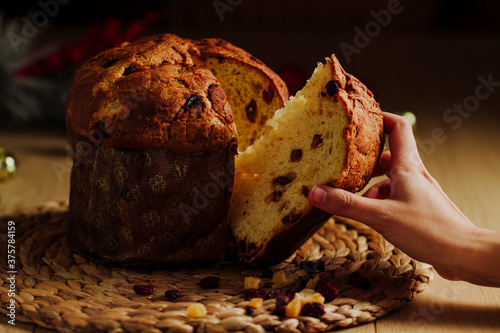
pixel 327 291
pixel 272 294
pixel 295 288
pixel 172 295
pixel 254 293
pixel 279 310
pixel 315 310
pixel 282 300
pixel 143 289
pixel 210 282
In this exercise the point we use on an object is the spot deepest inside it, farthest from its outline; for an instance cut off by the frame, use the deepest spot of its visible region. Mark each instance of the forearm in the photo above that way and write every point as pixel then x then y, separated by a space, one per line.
pixel 479 259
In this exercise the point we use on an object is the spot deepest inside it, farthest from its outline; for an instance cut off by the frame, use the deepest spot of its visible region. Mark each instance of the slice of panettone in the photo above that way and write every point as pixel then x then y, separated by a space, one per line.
pixel 331 132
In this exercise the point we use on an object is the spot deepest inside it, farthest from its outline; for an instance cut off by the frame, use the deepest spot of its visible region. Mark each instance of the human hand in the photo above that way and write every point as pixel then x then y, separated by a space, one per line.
pixel 412 212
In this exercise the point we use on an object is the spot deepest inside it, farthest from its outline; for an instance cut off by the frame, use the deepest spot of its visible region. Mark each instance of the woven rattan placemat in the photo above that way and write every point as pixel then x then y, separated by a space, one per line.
pixel 56 288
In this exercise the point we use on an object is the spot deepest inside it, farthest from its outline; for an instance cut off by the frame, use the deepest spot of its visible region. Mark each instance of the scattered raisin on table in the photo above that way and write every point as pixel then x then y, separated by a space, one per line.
pixel 327 291
pixel 209 282
pixel 143 289
pixel 315 310
pixel 254 293
pixel 172 295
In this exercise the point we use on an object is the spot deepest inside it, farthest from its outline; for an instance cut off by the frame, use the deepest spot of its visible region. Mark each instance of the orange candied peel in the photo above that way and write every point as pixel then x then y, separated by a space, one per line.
pixel 196 310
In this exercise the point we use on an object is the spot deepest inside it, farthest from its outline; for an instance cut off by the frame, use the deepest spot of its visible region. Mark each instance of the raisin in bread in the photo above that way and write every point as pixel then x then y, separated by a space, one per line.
pixel 330 132
pixel 154 141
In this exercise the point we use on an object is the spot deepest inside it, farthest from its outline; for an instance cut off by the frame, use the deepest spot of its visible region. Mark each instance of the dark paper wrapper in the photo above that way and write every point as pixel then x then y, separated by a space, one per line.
pixel 150 206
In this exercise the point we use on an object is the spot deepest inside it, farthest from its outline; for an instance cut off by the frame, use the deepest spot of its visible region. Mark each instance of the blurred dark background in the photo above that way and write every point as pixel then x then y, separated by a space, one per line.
pixel 424 56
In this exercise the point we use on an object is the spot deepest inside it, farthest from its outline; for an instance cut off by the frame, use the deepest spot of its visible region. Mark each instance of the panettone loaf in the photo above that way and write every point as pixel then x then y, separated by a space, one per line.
pixel 331 132
pixel 154 140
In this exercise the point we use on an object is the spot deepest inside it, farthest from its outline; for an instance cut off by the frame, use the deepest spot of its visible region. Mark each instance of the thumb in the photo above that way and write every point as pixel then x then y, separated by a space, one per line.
pixel 343 203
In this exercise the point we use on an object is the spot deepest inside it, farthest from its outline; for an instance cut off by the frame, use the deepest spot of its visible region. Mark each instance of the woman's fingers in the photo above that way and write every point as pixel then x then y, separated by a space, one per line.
pixel 384 164
pixel 381 190
pixel 340 202
pixel 402 142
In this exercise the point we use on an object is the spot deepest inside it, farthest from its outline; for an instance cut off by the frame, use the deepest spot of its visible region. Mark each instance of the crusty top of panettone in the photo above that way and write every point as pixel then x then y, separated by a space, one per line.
pixel 149 94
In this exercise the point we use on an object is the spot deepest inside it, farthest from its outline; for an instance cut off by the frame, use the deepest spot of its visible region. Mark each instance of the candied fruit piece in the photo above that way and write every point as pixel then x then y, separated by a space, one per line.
pixel 172 295
pixel 293 308
pixel 311 284
pixel 279 279
pixel 256 303
pixel 143 289
pixel 309 296
pixel 298 274
pixel 196 310
pixel 253 282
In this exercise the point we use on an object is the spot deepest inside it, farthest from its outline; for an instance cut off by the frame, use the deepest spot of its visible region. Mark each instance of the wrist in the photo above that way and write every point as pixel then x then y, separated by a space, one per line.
pixel 476 258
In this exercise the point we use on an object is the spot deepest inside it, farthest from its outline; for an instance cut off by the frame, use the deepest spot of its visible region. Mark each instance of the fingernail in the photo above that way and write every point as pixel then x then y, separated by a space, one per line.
pixel 318 196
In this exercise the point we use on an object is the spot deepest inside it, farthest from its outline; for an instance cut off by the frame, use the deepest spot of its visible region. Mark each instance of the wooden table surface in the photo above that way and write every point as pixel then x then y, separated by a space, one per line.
pixel 467 165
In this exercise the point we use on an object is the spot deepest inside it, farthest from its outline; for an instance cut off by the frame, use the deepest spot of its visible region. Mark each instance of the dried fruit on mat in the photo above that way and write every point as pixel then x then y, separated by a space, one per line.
pixel 172 295
pixel 327 291
pixel 279 279
pixel 311 284
pixel 273 293
pixel 254 293
pixel 253 283
pixel 210 282
pixel 309 296
pixel 143 289
pixel 315 310
pixel 196 310
pixel 293 308
pixel 255 303
pixel 282 300
pixel 295 288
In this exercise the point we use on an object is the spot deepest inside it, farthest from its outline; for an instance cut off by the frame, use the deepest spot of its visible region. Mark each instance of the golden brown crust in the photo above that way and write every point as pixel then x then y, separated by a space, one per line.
pixel 365 135
pixel 149 94
pixel 219 48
